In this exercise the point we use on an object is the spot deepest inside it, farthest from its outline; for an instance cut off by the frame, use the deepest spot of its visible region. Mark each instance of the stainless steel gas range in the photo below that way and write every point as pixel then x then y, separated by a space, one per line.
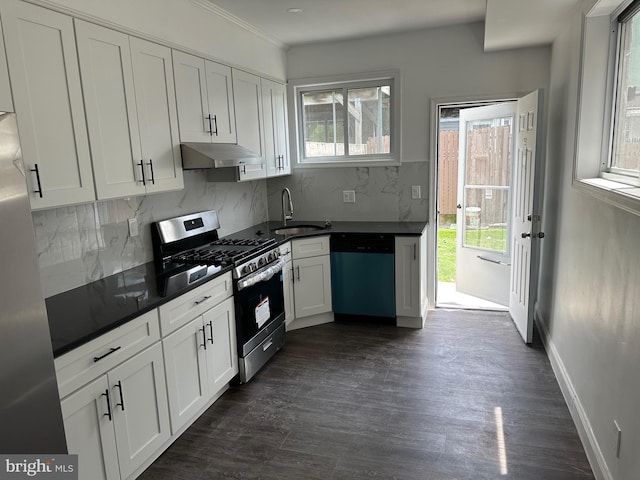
pixel 187 250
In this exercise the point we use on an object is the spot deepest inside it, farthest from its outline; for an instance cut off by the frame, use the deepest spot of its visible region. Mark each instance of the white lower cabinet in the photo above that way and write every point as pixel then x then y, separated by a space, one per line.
pixel 88 424
pixel 411 281
pixel 140 409
pixel 311 276
pixel 287 283
pixel 200 359
pixel 116 422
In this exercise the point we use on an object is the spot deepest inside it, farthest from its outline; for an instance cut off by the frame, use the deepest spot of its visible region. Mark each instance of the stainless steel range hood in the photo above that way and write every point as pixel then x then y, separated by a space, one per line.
pixel 217 155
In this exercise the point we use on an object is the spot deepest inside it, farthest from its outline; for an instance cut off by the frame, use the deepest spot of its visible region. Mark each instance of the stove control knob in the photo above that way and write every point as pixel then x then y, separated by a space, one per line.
pixel 262 262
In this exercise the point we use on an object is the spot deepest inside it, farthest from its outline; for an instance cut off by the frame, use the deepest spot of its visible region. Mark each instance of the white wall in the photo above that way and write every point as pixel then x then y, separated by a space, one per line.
pixel 434 63
pixel 185 23
pixel 589 286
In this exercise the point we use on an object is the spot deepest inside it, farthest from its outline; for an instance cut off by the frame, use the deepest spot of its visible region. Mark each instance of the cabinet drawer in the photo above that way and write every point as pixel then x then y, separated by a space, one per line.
pixel 185 308
pixel 92 359
pixel 310 247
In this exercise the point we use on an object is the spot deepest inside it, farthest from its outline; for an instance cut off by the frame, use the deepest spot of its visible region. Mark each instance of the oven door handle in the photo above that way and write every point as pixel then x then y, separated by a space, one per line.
pixel 261 275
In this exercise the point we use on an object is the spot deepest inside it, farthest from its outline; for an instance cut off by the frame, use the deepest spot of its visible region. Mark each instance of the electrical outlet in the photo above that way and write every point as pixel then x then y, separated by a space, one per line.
pixel 349 196
pixel 133 227
pixel 415 192
pixel 617 437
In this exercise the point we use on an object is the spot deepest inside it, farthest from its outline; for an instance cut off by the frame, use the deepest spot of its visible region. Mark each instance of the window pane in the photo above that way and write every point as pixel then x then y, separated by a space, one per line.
pixel 369 120
pixel 626 154
pixel 323 124
pixel 486 218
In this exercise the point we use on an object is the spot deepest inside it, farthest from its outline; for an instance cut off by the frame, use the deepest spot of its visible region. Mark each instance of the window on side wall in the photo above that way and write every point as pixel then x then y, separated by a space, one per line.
pixel 347 121
pixel 624 160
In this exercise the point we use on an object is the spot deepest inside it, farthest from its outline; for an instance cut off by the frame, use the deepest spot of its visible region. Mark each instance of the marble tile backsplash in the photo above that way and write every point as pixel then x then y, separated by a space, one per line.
pixel 382 193
pixel 83 243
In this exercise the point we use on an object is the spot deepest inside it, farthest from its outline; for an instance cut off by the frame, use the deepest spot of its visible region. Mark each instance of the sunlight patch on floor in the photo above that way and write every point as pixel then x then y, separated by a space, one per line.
pixel 449 297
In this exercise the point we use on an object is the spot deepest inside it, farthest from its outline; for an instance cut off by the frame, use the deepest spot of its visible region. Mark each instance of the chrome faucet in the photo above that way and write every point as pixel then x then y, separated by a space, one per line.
pixel 286 216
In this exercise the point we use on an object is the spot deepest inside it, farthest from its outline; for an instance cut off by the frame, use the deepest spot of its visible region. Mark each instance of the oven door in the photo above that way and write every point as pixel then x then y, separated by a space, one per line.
pixel 259 303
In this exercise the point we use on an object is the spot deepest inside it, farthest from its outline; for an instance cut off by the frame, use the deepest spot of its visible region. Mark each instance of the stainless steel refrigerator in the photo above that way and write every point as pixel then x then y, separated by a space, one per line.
pixel 30 415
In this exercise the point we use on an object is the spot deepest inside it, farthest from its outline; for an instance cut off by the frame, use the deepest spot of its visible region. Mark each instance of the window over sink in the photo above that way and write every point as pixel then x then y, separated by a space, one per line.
pixel 348 120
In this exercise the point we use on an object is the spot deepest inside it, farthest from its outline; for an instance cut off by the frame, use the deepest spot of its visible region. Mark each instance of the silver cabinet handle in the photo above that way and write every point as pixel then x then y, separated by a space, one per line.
pixel 37 172
pixel 298 267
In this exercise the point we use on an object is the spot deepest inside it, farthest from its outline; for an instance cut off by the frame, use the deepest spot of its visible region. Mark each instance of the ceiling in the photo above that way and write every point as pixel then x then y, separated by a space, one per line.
pixel 508 23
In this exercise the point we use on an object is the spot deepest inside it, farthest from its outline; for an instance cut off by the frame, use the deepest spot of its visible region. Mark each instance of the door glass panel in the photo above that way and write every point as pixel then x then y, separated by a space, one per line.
pixel 486 183
pixel 486 221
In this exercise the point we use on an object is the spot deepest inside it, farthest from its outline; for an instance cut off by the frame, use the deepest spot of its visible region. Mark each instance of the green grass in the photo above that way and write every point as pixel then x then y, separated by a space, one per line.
pixel 491 238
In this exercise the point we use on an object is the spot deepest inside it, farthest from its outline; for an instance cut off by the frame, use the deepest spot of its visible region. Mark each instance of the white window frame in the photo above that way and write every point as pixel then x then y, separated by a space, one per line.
pixel 353 81
pixel 596 102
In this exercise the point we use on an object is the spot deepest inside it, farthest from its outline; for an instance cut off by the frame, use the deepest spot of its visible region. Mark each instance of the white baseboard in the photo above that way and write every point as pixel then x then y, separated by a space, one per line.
pixel 578 414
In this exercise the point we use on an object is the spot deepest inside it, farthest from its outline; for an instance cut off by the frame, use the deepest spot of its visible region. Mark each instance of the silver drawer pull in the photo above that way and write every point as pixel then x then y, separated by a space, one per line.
pixel 204 299
pixel 267 345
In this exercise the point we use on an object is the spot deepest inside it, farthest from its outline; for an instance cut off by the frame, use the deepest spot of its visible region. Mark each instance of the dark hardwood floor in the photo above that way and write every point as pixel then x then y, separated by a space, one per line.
pixel 463 398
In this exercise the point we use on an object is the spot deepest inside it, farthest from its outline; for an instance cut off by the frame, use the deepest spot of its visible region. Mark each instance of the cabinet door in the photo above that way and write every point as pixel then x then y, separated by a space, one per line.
pixel 141 414
pixel 88 426
pixel 312 288
pixel 43 66
pixel 157 115
pixel 220 97
pixel 287 286
pixel 222 356
pixel 109 95
pixel 275 127
pixel 6 103
pixel 247 96
pixel 185 364
pixel 191 96
pixel 407 276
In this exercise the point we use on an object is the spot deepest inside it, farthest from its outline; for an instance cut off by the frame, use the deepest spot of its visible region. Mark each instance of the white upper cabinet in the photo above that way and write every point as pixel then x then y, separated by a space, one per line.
pixel 6 103
pixel 247 96
pixel 109 97
pixel 204 94
pixel 157 115
pixel 276 138
pixel 47 95
pixel 131 112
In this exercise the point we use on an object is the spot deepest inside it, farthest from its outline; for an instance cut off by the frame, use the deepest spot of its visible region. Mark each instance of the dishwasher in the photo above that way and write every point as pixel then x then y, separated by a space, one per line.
pixel 363 276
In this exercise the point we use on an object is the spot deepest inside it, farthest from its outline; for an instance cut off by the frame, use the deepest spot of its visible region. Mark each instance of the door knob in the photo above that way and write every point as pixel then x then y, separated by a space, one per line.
pixel 526 235
pixel 535 235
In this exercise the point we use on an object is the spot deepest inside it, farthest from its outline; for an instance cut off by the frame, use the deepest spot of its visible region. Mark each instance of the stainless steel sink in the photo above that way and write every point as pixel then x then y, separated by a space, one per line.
pixel 297 229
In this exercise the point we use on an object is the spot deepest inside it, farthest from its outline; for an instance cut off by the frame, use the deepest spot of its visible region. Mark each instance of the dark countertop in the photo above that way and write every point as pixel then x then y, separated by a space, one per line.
pixel 84 313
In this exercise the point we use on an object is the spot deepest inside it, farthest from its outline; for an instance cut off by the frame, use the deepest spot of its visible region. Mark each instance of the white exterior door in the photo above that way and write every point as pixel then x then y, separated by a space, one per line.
pixel 525 231
pixel 484 180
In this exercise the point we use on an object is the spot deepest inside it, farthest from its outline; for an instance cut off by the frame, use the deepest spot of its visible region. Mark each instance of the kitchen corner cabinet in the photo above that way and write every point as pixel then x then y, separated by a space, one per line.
pixel 311 276
pixel 411 280
pixel 204 94
pixel 200 359
pixel 247 97
pixel 131 114
pixel 276 138
pixel 118 421
pixel 47 94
